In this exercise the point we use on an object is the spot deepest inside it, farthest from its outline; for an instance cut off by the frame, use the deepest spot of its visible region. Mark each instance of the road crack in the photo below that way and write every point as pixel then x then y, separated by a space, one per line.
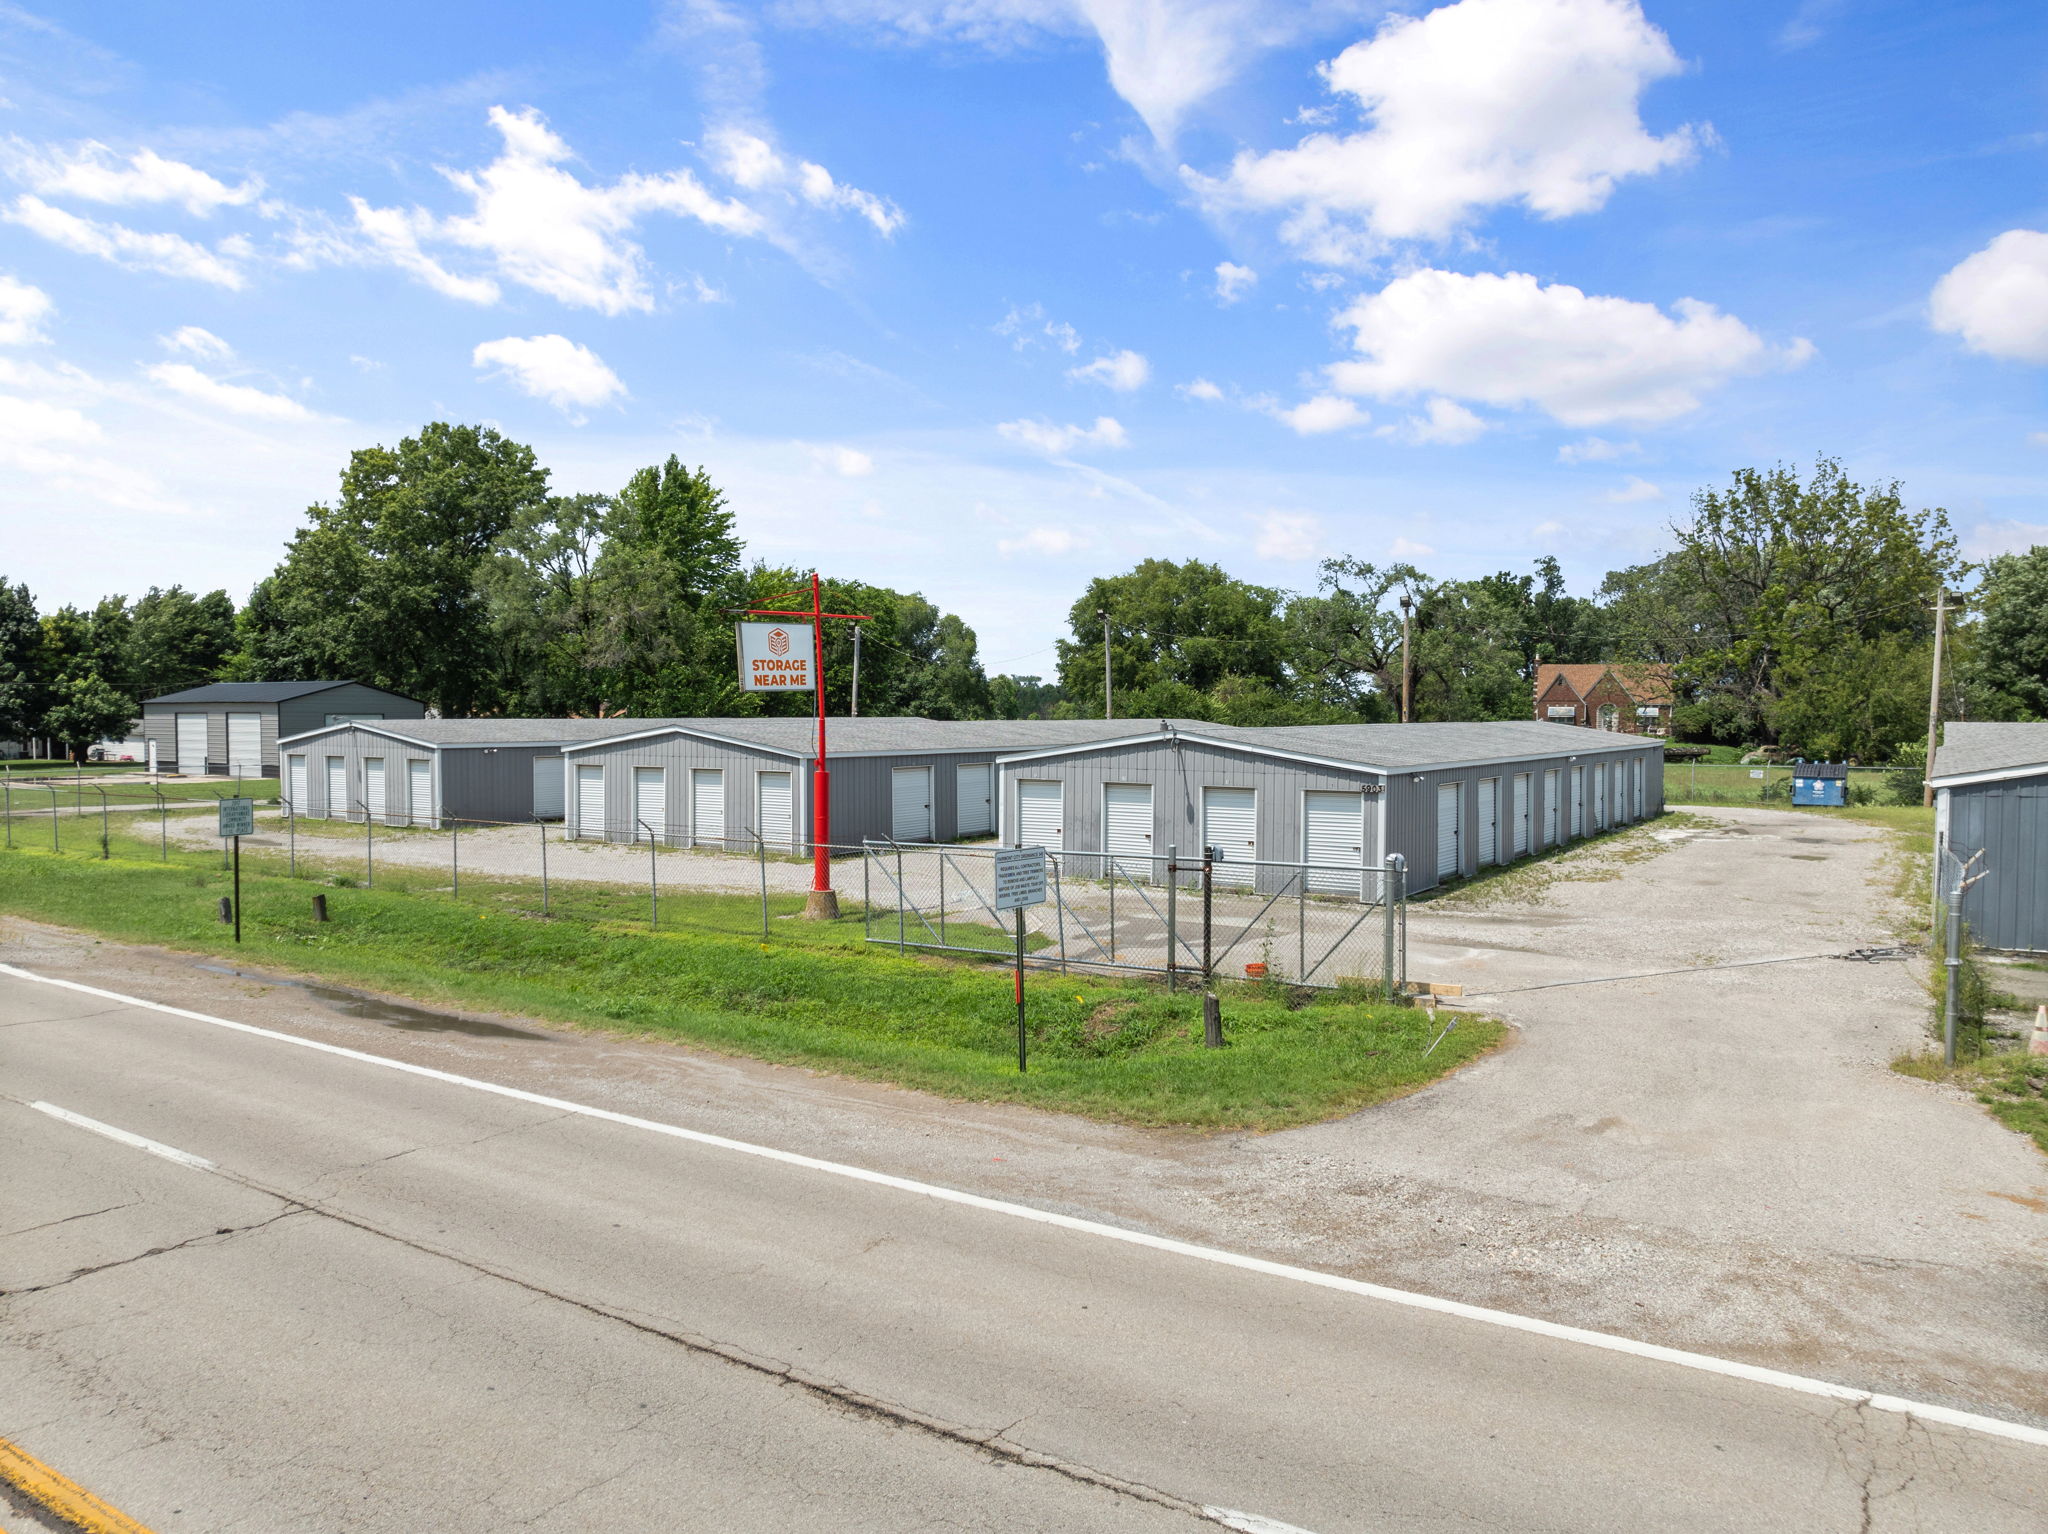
pixel 227 1232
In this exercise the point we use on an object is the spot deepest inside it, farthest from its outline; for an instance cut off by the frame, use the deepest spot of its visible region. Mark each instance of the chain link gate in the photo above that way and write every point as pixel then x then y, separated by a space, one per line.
pixel 1304 924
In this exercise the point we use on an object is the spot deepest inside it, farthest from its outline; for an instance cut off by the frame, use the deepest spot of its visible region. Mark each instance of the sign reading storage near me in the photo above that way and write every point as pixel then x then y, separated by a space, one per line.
pixel 775 657
pixel 1020 877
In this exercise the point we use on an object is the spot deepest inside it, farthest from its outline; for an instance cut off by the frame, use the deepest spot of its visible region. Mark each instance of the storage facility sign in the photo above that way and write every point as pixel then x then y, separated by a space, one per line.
pixel 238 817
pixel 1020 877
pixel 776 657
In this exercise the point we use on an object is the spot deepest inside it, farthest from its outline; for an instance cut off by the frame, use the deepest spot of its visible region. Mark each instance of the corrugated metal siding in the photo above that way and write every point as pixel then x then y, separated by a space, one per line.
pixel 353 746
pixel 159 724
pixel 310 712
pixel 679 756
pixel 2008 822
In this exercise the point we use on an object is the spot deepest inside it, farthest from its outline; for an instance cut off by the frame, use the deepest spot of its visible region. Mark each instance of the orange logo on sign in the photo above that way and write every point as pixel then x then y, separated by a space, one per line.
pixel 778 642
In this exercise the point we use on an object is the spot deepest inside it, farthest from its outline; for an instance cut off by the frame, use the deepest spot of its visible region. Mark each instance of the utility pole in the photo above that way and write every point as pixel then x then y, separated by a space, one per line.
pixel 1407 672
pixel 1108 707
pixel 856 673
pixel 1941 611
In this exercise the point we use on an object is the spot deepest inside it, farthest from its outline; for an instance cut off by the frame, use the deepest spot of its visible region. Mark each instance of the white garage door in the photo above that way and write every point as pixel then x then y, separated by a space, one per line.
pixel 1127 829
pixel 776 799
pixel 1450 829
pixel 373 786
pixel 1333 839
pixel 707 806
pixel 650 804
pixel 590 802
pixel 338 806
pixel 191 743
pixel 1578 801
pixel 296 786
pixel 547 788
pixel 1636 782
pixel 1600 796
pixel 975 808
pixel 1520 812
pixel 1489 821
pixel 1230 824
pixel 910 804
pixel 419 792
pixel 1041 814
pixel 245 744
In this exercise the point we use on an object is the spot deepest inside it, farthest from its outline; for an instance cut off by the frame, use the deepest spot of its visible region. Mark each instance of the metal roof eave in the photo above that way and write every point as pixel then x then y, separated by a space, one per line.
pixel 367 726
pixel 723 740
pixel 1156 736
pixel 1990 775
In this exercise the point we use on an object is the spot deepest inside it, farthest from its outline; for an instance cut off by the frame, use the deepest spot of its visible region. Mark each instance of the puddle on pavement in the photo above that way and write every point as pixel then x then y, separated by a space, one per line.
pixel 394 1014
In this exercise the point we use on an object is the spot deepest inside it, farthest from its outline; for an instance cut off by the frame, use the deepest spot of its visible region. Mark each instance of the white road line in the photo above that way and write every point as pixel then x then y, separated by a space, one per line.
pixel 168 1152
pixel 1705 1363
pixel 1250 1523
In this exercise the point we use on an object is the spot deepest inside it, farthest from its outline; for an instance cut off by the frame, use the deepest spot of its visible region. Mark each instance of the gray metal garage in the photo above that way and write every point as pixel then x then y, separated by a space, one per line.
pixel 1449 798
pixel 720 782
pixel 1991 804
pixel 234 727
pixel 431 771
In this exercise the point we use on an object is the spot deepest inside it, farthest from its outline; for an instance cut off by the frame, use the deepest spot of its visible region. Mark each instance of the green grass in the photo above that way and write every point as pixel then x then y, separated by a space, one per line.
pixel 2013 1087
pixel 815 995
pixel 28 798
pixel 1719 781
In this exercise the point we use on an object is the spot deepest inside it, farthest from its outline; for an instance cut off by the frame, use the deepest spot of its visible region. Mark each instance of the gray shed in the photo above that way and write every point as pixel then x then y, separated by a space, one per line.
pixel 720 782
pixel 1991 802
pixel 1450 798
pixel 427 771
pixel 234 727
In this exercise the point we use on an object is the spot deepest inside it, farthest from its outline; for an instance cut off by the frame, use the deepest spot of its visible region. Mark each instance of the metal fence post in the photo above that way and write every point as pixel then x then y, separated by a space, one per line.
pixel 543 866
pixel 56 838
pixel 1208 906
pixel 369 852
pixel 942 890
pixel 7 798
pixel 901 915
pixel 106 829
pixel 653 877
pixel 1300 924
pixel 867 905
pixel 1059 898
pixel 1172 911
pixel 1389 887
pixel 1954 964
pixel 291 836
pixel 455 860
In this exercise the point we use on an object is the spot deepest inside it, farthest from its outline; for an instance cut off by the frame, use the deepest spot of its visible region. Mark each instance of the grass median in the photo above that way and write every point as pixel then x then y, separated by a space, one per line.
pixel 816 994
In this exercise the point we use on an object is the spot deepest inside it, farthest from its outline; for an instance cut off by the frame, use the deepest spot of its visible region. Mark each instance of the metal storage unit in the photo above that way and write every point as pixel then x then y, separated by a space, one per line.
pixel 1991 804
pixel 235 727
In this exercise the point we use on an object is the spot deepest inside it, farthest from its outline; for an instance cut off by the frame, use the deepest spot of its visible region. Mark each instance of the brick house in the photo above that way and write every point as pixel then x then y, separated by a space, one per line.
pixel 1629 699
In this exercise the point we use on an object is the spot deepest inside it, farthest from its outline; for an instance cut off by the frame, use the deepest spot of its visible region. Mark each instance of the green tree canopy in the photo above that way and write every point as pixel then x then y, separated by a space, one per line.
pixel 1176 631
pixel 2008 666
pixel 21 663
pixel 177 640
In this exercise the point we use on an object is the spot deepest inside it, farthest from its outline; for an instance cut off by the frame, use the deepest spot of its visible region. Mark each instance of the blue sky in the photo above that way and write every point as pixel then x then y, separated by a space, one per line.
pixel 985 297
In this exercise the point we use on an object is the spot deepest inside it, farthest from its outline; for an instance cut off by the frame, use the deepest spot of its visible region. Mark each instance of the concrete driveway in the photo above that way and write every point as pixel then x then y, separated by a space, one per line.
pixel 1718 1159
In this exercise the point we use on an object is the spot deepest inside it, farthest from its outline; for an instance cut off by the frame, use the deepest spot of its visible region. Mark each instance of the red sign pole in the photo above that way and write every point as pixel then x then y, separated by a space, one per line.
pixel 823 904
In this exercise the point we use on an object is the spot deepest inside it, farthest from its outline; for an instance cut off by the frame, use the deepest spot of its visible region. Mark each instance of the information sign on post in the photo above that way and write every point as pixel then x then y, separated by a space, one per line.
pixel 1020 883
pixel 237 820
pixel 776 657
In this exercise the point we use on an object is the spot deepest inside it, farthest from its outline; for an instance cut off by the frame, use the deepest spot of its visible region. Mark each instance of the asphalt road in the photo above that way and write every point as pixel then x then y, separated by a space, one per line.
pixel 367 1299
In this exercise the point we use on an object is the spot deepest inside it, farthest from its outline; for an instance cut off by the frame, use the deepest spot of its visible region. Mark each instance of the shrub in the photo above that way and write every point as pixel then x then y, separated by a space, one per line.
pixel 1908 772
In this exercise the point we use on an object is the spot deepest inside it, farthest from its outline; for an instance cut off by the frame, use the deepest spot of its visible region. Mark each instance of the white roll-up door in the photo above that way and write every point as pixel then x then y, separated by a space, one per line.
pixel 245 744
pixel 1489 821
pixel 1550 803
pixel 910 804
pixel 974 806
pixel 338 807
pixel 296 785
pixel 707 807
pixel 1578 801
pixel 590 801
pixel 191 743
pixel 1600 796
pixel 1230 824
pixel 548 801
pixel 776 798
pixel 650 804
pixel 373 786
pixel 1450 829
pixel 1041 814
pixel 1636 786
pixel 1127 829
pixel 419 792
pixel 1333 842
pixel 1520 817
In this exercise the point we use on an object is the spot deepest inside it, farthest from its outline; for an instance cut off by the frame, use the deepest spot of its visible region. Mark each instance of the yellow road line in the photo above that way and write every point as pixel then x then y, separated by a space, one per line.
pixel 66 1498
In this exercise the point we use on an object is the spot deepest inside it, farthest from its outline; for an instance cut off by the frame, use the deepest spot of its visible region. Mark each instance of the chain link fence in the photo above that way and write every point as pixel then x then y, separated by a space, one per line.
pixel 1301 924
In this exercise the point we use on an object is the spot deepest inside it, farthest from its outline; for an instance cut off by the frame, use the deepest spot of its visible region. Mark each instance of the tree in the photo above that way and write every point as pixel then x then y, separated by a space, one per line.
pixel 2009 666
pixel 1176 631
pixel 21 663
pixel 87 710
pixel 1023 697
pixel 177 640
pixel 1344 644
pixel 383 586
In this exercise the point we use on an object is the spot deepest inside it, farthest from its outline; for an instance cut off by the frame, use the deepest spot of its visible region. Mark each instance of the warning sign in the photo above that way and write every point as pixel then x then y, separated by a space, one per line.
pixel 1020 877
pixel 775 657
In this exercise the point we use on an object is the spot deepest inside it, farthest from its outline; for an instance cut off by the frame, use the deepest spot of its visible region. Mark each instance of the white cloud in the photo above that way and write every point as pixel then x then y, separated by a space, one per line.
pixel 1997 300
pixel 195 342
pixel 1233 281
pixel 753 164
pixel 1312 417
pixel 1043 540
pixel 1634 488
pixel 171 254
pixel 1046 437
pixel 553 368
pixel 94 173
pixel 1504 339
pixel 1475 104
pixel 1446 423
pixel 1288 535
pixel 1403 548
pixel 847 462
pixel 393 235
pixel 1593 450
pixel 1026 325
pixel 237 399
pixel 1989 539
pixel 1199 388
pixel 1549 529
pixel 1122 371
pixel 23 308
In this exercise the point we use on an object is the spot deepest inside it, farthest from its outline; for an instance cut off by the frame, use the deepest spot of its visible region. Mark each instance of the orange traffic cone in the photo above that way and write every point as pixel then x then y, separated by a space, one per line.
pixel 2038 1045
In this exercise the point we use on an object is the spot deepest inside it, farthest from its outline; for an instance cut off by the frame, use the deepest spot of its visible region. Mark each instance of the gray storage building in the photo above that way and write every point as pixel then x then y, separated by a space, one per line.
pixel 234 727
pixel 719 782
pixel 1991 802
pixel 1450 798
